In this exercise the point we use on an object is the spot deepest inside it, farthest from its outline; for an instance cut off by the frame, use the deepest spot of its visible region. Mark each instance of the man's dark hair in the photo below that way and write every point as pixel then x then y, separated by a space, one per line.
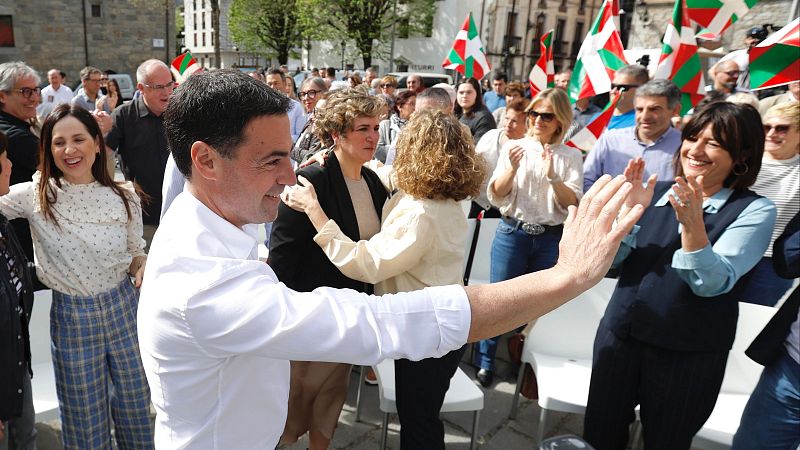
pixel 275 71
pixel 330 72
pixel 499 76
pixel 215 107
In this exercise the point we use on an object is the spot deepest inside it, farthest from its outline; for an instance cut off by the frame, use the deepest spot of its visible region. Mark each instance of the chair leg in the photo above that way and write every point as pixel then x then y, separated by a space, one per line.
pixel 515 401
pixel 540 430
pixel 384 430
pixel 361 376
pixel 475 418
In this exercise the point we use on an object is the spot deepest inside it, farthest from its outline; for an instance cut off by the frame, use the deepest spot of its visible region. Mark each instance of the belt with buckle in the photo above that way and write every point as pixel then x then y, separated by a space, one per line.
pixel 534 229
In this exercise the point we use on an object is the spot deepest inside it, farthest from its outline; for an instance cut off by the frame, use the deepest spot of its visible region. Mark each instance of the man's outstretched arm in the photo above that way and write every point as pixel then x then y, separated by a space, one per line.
pixel 588 245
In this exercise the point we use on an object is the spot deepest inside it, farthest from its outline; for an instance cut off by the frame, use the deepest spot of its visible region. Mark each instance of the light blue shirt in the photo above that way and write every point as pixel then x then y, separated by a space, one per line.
pixel 297 119
pixel 714 270
pixel 611 153
pixel 493 101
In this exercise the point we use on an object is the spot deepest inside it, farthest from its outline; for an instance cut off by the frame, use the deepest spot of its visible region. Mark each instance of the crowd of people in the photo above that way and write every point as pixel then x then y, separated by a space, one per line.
pixel 361 246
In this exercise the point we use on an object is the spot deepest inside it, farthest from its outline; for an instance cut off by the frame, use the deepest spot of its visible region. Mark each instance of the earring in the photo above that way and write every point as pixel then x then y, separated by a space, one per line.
pixel 738 171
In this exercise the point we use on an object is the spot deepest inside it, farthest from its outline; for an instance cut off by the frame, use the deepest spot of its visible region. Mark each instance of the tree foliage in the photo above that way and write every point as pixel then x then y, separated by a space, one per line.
pixel 271 25
pixel 366 23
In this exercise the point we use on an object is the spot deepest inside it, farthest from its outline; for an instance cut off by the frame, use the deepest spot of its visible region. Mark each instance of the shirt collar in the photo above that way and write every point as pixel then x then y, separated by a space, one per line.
pixel 711 205
pixel 142 108
pixel 239 243
pixel 663 136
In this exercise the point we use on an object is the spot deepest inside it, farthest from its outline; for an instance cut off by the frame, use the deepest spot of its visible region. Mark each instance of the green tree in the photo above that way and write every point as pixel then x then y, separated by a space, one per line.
pixel 272 25
pixel 366 23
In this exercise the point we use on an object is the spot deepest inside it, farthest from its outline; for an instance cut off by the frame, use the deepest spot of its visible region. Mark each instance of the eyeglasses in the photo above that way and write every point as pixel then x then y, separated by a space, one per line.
pixel 626 87
pixel 27 92
pixel 95 80
pixel 732 73
pixel 546 117
pixel 311 93
pixel 159 87
pixel 780 129
pixel 387 86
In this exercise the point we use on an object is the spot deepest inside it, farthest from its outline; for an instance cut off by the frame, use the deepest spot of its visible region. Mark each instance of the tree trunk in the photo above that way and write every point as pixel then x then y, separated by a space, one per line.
pixel 217 35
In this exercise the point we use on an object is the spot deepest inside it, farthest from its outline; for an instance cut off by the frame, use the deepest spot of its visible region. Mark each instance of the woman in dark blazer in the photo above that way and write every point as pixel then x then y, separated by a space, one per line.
pixel 353 196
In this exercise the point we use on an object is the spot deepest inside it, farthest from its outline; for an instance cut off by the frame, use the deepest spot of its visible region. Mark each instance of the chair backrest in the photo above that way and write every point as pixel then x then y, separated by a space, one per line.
pixel 741 372
pixel 481 262
pixel 569 330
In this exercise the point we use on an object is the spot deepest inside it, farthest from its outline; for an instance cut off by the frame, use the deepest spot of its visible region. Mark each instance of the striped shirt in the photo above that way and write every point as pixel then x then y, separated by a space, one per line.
pixel 779 182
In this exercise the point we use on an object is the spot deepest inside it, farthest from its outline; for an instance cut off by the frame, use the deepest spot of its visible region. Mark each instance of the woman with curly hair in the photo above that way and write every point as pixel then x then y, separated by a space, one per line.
pixel 536 179
pixel 420 244
pixel 353 196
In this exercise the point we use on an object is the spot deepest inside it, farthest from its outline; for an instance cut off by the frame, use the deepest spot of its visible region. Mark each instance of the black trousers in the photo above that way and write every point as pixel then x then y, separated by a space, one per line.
pixel 675 390
pixel 421 387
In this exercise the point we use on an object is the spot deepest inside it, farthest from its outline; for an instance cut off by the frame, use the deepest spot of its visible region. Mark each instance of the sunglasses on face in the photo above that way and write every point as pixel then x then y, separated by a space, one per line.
pixel 311 94
pixel 780 129
pixel 385 86
pixel 627 87
pixel 546 117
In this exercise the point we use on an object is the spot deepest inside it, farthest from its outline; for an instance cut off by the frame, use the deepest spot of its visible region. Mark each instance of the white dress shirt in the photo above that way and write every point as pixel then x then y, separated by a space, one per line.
pixel 217 331
pixel 52 98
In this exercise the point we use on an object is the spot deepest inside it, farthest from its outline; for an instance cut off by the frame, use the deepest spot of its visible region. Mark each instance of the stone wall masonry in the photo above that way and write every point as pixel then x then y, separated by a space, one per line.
pixel 50 33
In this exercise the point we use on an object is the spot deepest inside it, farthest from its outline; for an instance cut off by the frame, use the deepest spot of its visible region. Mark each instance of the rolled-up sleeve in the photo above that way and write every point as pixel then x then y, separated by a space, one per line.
pixel 714 270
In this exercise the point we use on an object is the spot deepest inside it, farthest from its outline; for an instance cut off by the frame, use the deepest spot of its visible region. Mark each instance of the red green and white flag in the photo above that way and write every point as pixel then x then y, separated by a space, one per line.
pixel 585 139
pixel 776 61
pixel 601 55
pixel 717 15
pixel 679 61
pixel 543 73
pixel 467 55
pixel 183 66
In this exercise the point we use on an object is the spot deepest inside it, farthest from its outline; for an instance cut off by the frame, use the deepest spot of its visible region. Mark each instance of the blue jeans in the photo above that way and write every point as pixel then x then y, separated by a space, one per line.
pixel 765 286
pixel 771 419
pixel 515 253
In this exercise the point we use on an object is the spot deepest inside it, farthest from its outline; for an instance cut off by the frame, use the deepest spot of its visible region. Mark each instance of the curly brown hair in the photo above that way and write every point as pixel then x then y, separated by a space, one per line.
pixel 342 108
pixel 437 159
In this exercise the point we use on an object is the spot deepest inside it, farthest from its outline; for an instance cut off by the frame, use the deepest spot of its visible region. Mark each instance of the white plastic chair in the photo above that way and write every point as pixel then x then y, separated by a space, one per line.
pixel 741 377
pixel 43 383
pixel 559 349
pixel 481 262
pixel 463 395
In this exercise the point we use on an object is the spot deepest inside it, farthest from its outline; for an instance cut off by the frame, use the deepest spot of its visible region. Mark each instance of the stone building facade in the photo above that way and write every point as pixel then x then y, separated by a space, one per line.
pixel 70 34
pixel 512 30
pixel 651 16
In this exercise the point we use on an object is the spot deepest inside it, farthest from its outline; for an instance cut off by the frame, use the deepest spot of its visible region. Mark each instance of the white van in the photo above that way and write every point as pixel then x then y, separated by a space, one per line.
pixel 126 85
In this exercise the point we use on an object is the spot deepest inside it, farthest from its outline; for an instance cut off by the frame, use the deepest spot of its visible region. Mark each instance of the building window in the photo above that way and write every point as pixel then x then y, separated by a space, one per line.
pixel 559 34
pixel 96 11
pixel 204 21
pixel 577 38
pixel 195 39
pixel 204 39
pixel 562 7
pixel 403 28
pixel 6 31
pixel 582 7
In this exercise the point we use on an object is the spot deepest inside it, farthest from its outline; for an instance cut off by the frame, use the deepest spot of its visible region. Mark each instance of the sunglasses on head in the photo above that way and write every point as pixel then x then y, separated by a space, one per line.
pixel 780 129
pixel 546 117
pixel 626 87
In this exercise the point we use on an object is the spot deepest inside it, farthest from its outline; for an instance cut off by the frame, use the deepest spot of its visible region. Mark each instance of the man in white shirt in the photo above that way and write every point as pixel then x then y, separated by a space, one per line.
pixel 276 79
pixel 54 94
pixel 216 327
